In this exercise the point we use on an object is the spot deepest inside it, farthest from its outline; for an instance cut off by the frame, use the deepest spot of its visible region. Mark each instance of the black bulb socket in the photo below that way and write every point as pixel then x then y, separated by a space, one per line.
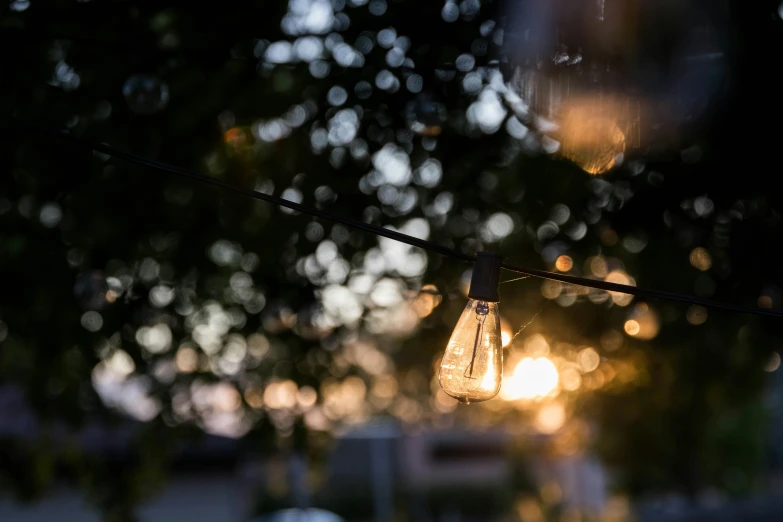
pixel 485 278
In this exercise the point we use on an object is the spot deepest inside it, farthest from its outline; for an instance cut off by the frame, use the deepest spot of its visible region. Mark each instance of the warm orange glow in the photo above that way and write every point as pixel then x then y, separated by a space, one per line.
pixel 564 263
pixel 506 335
pixel 528 509
pixel 700 258
pixel 589 359
pixel 235 137
pixel 620 277
pixel 551 289
pixel 765 301
pixel 536 345
pixel 532 378
pixel 445 403
pixel 643 323
pixel 631 327
pixel 254 396
pixel 427 300
pixel 343 399
pixel 550 418
pixel 590 136
pixel 279 395
pixel 594 380
pixel 186 359
pixel 306 397
pixel 385 386
pixel 598 266
pixel 609 372
pixel 570 379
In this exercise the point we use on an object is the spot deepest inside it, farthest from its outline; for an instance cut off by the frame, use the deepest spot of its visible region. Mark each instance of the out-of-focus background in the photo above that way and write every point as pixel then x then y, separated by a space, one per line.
pixel 172 351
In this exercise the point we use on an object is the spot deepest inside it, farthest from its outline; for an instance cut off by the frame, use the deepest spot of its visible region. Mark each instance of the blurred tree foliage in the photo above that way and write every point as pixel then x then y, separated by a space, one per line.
pixel 197 300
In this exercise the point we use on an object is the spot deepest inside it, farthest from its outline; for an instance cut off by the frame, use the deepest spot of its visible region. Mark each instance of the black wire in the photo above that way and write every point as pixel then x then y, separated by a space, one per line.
pixel 179 171
pixel 641 292
pixel 391 234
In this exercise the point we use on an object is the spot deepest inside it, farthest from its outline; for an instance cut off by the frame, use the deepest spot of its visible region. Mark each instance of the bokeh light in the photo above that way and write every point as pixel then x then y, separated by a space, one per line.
pixel 564 263
pixel 570 379
pixel 426 301
pixel 589 359
pixel 506 334
pixel 700 258
pixel 590 137
pixel 774 362
pixel 532 378
pixel 643 322
pixel 622 278
pixel 550 418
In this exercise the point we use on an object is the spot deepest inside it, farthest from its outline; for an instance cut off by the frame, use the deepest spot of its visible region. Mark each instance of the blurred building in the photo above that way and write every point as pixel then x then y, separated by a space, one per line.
pixel 374 472
pixel 208 481
pixel 378 470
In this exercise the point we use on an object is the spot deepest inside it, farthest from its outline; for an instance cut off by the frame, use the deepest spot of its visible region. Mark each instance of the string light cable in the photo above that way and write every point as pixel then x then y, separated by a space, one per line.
pixel 132 158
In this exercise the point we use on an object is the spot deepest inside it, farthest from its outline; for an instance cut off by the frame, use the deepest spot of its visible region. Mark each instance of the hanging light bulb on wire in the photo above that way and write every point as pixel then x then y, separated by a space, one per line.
pixel 472 366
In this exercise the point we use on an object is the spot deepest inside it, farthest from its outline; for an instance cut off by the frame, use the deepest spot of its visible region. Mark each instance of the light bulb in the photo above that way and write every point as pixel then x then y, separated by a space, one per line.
pixel 472 367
